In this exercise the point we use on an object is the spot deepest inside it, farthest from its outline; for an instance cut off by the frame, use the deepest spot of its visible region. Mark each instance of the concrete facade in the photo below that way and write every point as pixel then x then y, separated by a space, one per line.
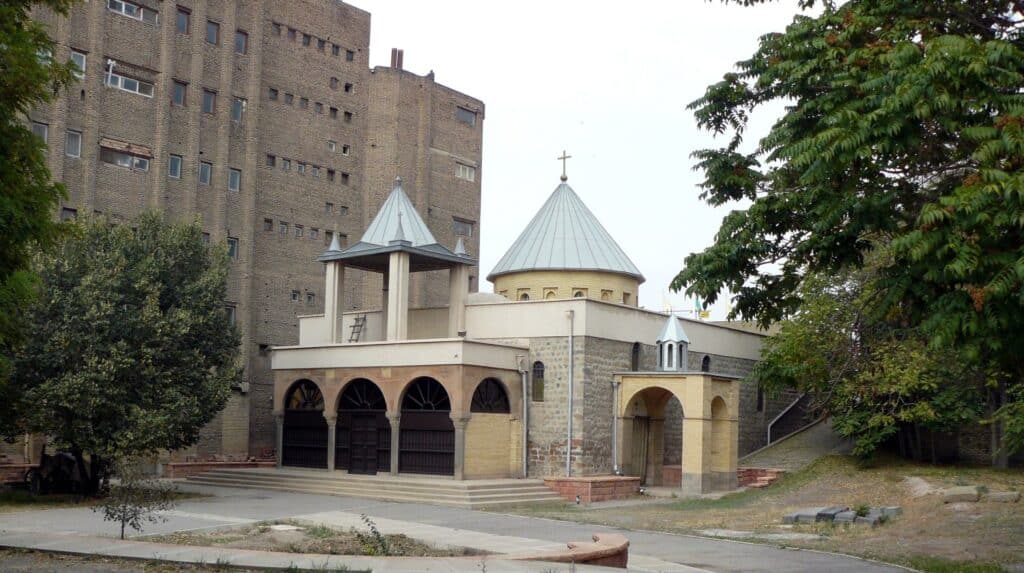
pixel 279 134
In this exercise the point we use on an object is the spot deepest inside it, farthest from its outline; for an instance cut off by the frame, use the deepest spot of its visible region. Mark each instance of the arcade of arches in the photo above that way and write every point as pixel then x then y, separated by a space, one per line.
pixel 459 421
pixel 707 442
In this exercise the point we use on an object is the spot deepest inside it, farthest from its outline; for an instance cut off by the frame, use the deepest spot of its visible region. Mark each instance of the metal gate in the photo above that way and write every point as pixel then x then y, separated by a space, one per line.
pixel 427 438
pixel 363 433
pixel 304 439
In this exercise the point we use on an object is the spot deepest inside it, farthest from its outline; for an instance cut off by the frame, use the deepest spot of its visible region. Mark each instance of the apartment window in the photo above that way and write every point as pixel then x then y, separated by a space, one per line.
pixel 315 171
pixel 329 208
pixel 304 103
pixel 335 50
pixel 334 83
pixel 73 144
pixel 179 93
pixel 44 56
pixel 345 149
pixel 462 227
pixel 234 179
pixel 68 214
pixel 212 32
pixel 332 145
pixel 183 18
pixel 348 117
pixel 314 233
pixel 463 171
pixel 271 160
pixel 41 130
pixel 241 42
pixel 344 180
pixel 129 84
pixel 231 314
pixel 79 59
pixel 286 164
pixel 343 210
pixel 318 107
pixel 288 98
pixel 328 235
pixel 275 28
pixel 272 94
pixel 209 101
pixel 320 44
pixel 268 224
pixel 349 55
pixel 205 172
pixel 233 248
pixel 310 298
pixel 464 115
pixel 298 231
pixel 174 167
pixel 301 168
pixel 306 39
pixel 282 227
pixel 291 34
pixel 206 238
pixel 122 159
pixel 334 113
pixel 237 107
pixel 348 87
pixel 330 175
pixel 132 11
pixel 295 296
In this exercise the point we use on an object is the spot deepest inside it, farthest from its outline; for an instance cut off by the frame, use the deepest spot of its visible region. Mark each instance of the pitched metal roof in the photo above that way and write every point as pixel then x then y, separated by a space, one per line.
pixel 398 220
pixel 673 331
pixel 565 235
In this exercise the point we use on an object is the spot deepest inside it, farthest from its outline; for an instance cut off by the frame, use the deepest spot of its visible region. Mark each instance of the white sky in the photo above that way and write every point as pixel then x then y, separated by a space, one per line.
pixel 608 82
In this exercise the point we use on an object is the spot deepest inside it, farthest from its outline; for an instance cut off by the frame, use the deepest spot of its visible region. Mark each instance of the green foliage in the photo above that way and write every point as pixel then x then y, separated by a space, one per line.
pixel 27 196
pixel 904 126
pixel 862 509
pixel 373 541
pixel 131 351
pixel 135 498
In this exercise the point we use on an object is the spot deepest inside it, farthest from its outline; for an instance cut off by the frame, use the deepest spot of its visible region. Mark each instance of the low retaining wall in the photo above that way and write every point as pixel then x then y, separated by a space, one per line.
pixel 175 470
pixel 14 473
pixel 594 488
pixel 607 550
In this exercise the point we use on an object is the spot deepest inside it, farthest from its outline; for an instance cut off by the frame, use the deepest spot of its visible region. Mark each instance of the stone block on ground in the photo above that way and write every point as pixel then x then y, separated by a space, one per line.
pixel 891 511
pixel 808 515
pixel 872 518
pixel 845 517
pixel 961 493
pixel 1002 496
pixel 829 513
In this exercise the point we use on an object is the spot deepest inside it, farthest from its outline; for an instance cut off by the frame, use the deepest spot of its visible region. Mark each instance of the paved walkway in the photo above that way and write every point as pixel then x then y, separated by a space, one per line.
pixel 230 507
pixel 800 450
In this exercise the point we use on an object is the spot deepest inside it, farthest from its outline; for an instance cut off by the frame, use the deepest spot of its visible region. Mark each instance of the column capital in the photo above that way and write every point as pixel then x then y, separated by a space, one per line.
pixel 279 414
pixel 393 418
pixel 459 422
pixel 331 418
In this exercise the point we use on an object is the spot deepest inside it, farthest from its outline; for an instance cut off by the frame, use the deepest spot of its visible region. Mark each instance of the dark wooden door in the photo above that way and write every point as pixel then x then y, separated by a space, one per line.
pixel 363 444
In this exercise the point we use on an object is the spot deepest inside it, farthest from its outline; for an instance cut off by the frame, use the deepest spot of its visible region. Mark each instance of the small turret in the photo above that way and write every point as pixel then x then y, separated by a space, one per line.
pixel 673 346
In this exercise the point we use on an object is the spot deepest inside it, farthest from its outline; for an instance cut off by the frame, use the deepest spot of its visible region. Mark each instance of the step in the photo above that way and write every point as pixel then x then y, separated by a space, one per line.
pixel 382 486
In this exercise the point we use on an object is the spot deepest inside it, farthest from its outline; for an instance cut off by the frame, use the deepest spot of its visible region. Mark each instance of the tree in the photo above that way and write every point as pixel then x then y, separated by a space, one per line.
pixel 29 77
pixel 136 497
pixel 131 350
pixel 904 127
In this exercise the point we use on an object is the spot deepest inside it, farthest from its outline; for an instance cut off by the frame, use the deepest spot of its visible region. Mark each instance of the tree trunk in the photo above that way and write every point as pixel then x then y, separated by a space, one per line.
pixel 1000 456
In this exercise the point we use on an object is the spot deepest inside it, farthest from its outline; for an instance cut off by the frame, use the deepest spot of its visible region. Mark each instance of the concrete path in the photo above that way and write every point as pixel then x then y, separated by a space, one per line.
pixel 797 451
pixel 231 506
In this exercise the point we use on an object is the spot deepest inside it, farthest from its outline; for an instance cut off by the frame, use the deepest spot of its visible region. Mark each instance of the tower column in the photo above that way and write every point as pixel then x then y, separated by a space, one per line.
pixel 458 292
pixel 334 298
pixel 332 422
pixel 398 296
pixel 394 420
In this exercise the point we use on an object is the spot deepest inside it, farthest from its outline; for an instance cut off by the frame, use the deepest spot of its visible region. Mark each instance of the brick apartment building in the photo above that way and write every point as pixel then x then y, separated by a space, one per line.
pixel 263 121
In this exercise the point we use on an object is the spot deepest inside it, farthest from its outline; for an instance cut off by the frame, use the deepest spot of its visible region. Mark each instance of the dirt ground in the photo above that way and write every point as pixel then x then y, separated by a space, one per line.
pixel 928 531
pixel 308 539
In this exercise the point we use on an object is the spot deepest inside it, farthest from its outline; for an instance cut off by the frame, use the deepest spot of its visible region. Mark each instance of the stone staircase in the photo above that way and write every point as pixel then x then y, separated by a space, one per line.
pixel 758 477
pixel 470 494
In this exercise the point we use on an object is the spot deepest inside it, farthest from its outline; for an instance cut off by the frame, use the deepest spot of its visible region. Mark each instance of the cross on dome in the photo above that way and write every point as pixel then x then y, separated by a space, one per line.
pixel 563 159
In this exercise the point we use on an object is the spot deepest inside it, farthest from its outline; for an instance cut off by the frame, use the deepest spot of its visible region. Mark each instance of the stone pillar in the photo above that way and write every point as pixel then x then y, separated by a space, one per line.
pixel 334 298
pixel 460 447
pixel 696 470
pixel 332 423
pixel 394 419
pixel 458 292
pixel 279 419
pixel 398 297
pixel 384 306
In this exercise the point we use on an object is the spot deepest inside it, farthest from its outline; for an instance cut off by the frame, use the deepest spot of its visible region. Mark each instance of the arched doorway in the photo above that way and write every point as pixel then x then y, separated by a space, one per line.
pixel 304 439
pixel 363 433
pixel 427 438
pixel 645 435
pixel 719 436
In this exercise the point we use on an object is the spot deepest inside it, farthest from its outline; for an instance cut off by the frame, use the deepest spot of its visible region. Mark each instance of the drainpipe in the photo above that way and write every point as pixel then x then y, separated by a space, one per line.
pixel 568 442
pixel 615 427
pixel 521 360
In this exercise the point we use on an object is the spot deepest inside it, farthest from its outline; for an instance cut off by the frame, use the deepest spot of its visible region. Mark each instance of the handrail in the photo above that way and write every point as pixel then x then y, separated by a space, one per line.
pixel 781 414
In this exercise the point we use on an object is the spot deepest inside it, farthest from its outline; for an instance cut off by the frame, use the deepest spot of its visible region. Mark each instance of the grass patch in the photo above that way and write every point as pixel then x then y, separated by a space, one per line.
pixel 939 565
pixel 16 499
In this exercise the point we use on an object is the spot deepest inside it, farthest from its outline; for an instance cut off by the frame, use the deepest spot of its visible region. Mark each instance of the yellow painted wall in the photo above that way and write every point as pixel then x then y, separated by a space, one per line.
pixel 488 446
pixel 547 285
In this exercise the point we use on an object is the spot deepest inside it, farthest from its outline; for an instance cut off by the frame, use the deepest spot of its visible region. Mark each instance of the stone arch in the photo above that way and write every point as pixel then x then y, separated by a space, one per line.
pixel 362 431
pixel 304 430
pixel 490 397
pixel 427 434
pixel 720 435
pixel 705 363
pixel 524 296
pixel 550 295
pixel 634 357
pixel 644 435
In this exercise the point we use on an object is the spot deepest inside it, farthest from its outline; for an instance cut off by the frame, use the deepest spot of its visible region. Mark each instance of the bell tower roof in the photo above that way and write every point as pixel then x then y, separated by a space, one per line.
pixel 673 331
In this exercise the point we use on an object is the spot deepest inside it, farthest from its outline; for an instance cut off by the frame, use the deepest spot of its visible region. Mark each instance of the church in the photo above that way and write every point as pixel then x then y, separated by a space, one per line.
pixel 558 372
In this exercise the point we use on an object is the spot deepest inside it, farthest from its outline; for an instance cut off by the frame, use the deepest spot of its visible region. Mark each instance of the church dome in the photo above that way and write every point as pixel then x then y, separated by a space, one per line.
pixel 565 252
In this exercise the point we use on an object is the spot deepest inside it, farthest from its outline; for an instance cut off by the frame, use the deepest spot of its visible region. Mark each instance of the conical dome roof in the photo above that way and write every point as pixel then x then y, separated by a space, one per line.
pixel 565 235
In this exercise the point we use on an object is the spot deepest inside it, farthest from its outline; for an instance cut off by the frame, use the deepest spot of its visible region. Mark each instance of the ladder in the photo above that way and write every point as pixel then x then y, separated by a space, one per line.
pixel 357 328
